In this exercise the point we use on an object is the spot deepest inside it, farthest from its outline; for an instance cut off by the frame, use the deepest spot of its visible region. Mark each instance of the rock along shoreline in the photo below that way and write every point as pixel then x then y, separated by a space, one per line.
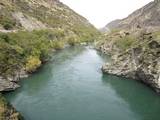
pixel 137 63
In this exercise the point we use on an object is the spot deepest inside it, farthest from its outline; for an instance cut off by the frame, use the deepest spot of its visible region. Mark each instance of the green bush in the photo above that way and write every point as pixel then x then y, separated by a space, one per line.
pixel 57 45
pixel 73 41
pixel 33 62
pixel 125 43
pixel 16 49
pixel 156 35
pixel 11 59
pixel 8 26
pixel 7 23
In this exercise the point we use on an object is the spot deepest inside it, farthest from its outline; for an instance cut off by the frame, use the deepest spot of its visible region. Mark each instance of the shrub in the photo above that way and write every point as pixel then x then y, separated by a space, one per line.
pixel 125 42
pixel 10 59
pixel 57 45
pixel 7 23
pixel 32 64
pixel 73 41
pixel 4 37
pixel 23 49
pixel 8 26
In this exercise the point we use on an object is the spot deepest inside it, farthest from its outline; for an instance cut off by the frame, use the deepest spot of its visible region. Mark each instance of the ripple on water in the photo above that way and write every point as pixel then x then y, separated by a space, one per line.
pixel 72 87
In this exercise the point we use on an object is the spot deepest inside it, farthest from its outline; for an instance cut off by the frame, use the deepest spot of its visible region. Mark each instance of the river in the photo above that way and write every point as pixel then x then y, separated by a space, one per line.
pixel 72 87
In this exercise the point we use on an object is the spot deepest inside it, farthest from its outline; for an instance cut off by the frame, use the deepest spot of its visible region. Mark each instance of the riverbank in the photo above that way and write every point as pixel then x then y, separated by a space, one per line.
pixel 7 112
pixel 12 84
pixel 136 57
pixel 72 86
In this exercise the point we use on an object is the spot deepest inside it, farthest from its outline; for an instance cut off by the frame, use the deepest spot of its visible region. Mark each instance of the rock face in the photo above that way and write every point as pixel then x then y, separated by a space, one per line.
pixel 6 85
pixel 140 62
pixel 10 84
pixel 135 46
pixel 29 23
pixel 146 17
pixel 7 112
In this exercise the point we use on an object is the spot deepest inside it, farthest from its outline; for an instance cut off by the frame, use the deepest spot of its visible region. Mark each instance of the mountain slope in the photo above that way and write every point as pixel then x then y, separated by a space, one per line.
pixel 147 17
pixel 30 30
pixel 40 14
pixel 112 25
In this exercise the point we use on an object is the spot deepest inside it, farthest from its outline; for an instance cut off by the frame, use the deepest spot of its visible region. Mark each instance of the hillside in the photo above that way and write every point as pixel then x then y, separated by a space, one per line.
pixel 112 25
pixel 41 14
pixel 30 30
pixel 135 46
pixel 146 17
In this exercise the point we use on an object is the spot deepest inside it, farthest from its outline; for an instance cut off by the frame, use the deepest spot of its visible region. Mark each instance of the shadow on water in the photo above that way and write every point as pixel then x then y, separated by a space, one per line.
pixel 142 100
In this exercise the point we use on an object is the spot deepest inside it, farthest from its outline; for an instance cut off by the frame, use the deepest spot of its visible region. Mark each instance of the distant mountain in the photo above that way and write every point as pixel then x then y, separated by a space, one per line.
pixel 112 25
pixel 147 17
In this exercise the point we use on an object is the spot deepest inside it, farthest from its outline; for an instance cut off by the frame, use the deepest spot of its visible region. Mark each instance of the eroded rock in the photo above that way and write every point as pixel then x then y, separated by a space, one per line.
pixel 6 85
pixel 7 112
pixel 140 63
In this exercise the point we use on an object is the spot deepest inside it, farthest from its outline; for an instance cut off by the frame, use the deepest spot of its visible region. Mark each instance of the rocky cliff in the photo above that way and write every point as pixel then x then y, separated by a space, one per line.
pixel 135 46
pixel 141 61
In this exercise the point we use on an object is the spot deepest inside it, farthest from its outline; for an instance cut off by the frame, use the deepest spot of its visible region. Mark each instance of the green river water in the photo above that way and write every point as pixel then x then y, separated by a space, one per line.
pixel 72 87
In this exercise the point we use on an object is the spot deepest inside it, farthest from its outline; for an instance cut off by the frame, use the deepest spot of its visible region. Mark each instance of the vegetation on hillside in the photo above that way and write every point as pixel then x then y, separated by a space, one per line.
pixel 125 42
pixel 7 112
pixel 29 49
pixel 121 41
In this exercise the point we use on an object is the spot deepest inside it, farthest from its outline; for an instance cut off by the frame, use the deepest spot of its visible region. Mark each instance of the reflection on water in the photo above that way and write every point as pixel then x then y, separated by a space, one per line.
pixel 142 100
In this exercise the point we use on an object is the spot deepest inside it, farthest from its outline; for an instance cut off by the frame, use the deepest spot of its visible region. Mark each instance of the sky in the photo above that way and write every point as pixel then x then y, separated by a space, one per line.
pixel 101 12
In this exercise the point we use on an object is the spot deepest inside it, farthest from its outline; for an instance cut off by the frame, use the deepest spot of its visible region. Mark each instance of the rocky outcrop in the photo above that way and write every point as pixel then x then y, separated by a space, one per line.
pixel 140 62
pixel 134 45
pixel 29 23
pixel 6 85
pixel 7 112
pixel 11 83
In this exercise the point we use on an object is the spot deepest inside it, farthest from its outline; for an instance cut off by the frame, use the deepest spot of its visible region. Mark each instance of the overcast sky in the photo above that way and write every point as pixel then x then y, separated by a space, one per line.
pixel 101 12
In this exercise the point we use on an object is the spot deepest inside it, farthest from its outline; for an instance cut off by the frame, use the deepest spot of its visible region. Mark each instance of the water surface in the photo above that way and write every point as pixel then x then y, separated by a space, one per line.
pixel 72 87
